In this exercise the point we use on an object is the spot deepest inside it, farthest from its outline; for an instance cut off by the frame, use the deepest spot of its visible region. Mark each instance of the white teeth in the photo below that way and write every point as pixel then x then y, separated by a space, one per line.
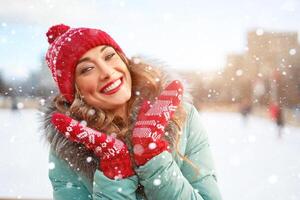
pixel 112 86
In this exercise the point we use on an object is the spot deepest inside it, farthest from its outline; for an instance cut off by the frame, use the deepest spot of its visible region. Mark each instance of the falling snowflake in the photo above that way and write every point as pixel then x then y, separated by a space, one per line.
pixel 156 182
pixel 259 75
pixel 89 159
pixel 136 61
pixel 239 72
pixel 259 32
pixel 42 101
pixel 20 105
pixel 118 177
pixel 91 112
pixel 137 93
pixel 69 184
pixel 83 123
pixel 292 52
pixel 152 145
pixel 114 135
pixel 51 165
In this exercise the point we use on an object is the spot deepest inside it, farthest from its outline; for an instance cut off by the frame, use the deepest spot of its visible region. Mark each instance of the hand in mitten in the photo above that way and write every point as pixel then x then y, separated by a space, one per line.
pixel 148 132
pixel 113 154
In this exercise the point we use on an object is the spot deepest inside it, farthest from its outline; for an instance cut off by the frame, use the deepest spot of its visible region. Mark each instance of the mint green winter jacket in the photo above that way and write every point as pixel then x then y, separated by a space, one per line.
pixel 165 176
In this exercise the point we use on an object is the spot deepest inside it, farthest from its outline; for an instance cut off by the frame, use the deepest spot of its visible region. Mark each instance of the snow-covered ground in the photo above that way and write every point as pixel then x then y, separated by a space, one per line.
pixel 251 161
pixel 24 157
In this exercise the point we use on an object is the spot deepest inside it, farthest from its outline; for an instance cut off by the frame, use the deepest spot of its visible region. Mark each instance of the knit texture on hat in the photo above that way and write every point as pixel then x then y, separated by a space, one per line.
pixel 67 45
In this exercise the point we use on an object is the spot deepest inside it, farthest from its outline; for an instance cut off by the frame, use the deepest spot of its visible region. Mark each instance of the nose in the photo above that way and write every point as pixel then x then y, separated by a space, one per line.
pixel 105 72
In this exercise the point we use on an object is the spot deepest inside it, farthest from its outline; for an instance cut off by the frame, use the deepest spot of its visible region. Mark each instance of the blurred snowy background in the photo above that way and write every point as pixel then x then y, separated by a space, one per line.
pixel 242 60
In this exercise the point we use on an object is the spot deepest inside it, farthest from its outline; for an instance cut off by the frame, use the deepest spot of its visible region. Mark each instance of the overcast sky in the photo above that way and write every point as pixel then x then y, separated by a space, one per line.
pixel 192 34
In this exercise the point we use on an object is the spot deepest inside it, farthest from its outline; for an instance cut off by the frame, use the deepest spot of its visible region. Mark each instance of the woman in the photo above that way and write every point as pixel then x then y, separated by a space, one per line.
pixel 119 128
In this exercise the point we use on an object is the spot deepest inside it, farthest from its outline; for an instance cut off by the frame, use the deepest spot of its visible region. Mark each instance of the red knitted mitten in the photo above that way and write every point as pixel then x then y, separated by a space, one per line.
pixel 113 153
pixel 147 137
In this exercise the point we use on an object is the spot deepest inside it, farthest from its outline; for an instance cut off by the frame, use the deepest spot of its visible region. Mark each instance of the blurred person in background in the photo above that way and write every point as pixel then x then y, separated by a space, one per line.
pixel 245 109
pixel 277 116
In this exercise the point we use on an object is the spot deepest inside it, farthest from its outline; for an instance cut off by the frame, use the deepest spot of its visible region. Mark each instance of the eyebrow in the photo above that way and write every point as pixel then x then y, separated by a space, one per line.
pixel 87 58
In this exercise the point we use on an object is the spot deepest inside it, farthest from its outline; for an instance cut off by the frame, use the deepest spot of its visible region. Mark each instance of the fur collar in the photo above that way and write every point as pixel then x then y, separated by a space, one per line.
pixel 76 155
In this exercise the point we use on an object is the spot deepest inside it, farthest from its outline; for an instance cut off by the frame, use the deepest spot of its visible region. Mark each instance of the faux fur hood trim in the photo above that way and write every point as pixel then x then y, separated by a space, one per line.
pixel 79 158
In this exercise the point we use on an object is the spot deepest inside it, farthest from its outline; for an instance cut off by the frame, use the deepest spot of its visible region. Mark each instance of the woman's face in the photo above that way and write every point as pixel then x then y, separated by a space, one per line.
pixel 103 79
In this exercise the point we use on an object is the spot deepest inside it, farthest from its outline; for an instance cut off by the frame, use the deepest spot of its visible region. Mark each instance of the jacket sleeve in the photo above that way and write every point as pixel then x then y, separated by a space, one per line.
pixel 163 179
pixel 67 184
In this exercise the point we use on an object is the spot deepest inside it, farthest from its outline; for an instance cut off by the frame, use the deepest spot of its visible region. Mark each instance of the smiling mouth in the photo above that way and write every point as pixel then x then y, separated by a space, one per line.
pixel 112 87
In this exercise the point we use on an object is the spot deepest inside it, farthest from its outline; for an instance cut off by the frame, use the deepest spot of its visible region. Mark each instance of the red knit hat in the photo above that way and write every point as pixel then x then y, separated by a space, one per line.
pixel 67 45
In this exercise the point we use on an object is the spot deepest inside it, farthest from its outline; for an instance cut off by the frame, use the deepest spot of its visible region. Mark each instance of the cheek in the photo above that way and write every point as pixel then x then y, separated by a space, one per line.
pixel 88 89
pixel 86 86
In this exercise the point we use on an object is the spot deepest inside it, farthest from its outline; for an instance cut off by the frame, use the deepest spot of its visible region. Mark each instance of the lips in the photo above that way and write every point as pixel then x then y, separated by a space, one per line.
pixel 110 88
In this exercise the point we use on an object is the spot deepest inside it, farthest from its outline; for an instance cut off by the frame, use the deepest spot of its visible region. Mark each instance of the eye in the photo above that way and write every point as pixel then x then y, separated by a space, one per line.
pixel 85 69
pixel 109 56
